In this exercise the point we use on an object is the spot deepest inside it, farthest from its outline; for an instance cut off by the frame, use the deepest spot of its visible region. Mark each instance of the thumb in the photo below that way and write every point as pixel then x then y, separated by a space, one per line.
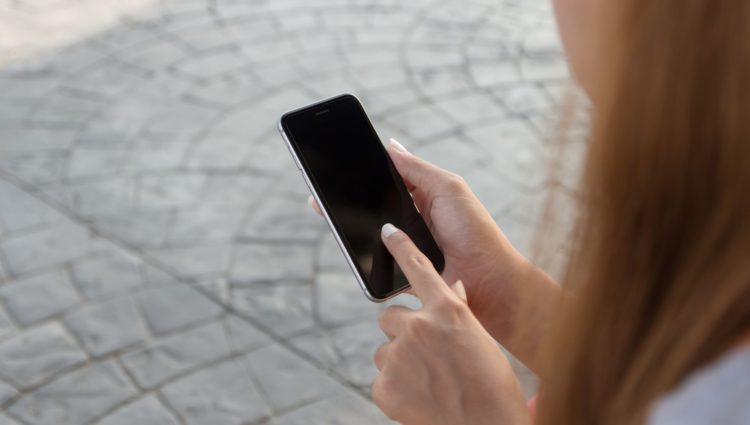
pixel 460 290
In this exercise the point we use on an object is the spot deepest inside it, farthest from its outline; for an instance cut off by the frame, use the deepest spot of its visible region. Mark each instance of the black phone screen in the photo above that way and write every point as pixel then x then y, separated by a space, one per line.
pixel 359 187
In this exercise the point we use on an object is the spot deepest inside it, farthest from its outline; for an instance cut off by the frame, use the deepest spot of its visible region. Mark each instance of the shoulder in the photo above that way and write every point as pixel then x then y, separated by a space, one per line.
pixel 717 394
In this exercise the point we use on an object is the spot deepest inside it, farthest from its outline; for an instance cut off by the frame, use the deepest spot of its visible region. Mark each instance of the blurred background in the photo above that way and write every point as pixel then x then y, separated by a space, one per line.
pixel 158 261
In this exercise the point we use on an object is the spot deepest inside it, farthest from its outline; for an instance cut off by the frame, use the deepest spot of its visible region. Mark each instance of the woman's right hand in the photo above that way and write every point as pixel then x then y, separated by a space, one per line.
pixel 476 250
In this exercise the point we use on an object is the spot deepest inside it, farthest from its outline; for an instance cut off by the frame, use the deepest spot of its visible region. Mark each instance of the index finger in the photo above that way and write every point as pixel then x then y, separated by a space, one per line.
pixel 424 279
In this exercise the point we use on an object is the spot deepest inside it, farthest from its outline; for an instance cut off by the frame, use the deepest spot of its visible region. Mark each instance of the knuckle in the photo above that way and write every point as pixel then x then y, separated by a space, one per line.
pixel 388 316
pixel 379 356
pixel 418 325
pixel 455 183
pixel 389 311
pixel 383 318
pixel 451 306
pixel 454 314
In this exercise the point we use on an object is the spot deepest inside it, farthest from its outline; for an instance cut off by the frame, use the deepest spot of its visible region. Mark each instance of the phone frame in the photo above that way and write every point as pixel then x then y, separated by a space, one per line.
pixel 342 245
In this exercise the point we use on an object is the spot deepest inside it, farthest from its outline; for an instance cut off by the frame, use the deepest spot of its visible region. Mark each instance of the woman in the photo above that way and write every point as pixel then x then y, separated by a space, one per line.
pixel 653 323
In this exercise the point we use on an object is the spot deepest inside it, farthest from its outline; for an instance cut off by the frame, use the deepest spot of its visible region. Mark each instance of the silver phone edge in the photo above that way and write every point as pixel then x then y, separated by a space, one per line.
pixel 336 236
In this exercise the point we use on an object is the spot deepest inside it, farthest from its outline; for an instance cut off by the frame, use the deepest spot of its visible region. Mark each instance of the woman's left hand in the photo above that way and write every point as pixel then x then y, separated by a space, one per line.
pixel 440 366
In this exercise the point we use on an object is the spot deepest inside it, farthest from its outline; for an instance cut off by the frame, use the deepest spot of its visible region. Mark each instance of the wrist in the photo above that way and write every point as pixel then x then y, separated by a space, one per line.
pixel 496 289
pixel 514 303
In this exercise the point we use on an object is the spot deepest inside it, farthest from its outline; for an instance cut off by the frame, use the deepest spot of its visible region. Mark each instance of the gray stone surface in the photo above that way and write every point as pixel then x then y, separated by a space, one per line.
pixel 285 309
pixel 285 380
pixel 243 336
pixel 221 394
pixel 195 260
pixel 340 300
pixel 177 354
pixel 7 392
pixel 34 356
pixel 107 326
pixel 6 324
pixel 168 308
pixel 280 218
pixel 346 349
pixel 48 246
pixel 20 212
pixel 145 411
pixel 158 263
pixel 5 420
pixel 39 297
pixel 76 398
pixel 272 263
pixel 106 275
pixel 339 409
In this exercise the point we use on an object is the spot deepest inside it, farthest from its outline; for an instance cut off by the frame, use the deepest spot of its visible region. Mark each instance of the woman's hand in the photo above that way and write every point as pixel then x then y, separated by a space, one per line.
pixel 440 366
pixel 497 277
pixel 474 247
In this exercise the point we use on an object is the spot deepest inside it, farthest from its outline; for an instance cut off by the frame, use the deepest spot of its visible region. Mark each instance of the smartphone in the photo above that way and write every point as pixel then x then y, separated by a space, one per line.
pixel 358 189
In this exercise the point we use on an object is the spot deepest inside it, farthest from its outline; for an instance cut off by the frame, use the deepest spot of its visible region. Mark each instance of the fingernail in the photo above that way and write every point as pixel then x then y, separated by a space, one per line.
pixel 388 229
pixel 311 201
pixel 399 147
